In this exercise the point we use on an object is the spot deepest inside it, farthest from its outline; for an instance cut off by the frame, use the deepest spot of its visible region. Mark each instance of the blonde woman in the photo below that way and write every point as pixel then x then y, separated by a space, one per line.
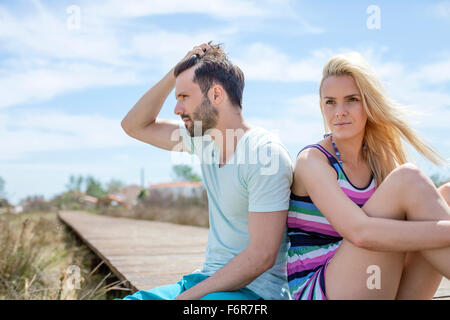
pixel 363 223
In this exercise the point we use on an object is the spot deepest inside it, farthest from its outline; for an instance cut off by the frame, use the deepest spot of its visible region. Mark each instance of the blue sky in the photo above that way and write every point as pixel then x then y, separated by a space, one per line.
pixel 66 83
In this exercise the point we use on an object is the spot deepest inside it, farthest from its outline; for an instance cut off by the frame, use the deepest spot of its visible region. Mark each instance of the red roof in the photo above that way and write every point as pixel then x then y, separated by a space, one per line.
pixel 89 198
pixel 114 198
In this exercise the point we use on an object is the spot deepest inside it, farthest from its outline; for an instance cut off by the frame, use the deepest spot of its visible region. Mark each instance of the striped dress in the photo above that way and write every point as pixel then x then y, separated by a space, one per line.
pixel 313 241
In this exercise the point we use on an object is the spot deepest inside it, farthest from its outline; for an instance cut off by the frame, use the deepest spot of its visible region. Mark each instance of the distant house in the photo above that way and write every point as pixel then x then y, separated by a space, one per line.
pixel 112 200
pixel 88 201
pixel 130 193
pixel 186 189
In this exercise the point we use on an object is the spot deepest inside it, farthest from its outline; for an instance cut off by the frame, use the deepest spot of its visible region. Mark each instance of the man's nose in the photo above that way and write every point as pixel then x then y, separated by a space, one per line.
pixel 179 110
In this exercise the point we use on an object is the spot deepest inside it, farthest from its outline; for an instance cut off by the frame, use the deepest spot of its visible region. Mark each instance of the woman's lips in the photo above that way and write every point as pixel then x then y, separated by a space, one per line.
pixel 342 124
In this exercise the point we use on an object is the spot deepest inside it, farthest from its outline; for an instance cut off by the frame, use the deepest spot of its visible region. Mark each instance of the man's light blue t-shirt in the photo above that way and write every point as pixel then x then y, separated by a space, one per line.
pixel 256 179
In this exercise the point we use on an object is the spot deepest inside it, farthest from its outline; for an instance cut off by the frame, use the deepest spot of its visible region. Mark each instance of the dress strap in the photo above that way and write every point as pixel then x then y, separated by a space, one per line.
pixel 330 157
pixel 317 146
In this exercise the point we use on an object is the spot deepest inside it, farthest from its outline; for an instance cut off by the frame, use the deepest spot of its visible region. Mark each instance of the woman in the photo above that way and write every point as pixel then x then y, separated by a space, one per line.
pixel 364 224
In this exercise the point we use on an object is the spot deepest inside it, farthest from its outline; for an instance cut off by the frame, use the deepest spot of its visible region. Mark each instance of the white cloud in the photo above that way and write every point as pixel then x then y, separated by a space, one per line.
pixel 226 9
pixel 293 131
pixel 260 61
pixel 49 59
pixel 164 48
pixel 441 10
pixel 434 73
pixel 42 130
pixel 306 106
pixel 44 33
pixel 43 83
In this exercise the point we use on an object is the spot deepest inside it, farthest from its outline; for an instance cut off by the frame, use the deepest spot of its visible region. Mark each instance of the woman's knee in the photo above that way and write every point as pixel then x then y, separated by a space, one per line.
pixel 410 176
pixel 407 171
pixel 444 191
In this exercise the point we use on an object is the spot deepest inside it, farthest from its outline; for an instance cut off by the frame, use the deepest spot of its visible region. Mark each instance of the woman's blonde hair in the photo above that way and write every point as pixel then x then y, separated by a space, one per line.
pixel 385 125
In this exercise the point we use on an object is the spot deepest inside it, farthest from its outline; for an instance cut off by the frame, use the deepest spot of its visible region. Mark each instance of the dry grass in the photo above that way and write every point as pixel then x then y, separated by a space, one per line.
pixel 187 211
pixel 41 259
pixel 193 216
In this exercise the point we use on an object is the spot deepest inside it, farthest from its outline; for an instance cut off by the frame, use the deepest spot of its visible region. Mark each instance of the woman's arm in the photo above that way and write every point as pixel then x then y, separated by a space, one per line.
pixel 313 171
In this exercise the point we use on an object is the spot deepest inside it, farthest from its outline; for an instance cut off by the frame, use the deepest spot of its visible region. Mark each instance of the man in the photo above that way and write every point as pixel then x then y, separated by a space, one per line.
pixel 247 174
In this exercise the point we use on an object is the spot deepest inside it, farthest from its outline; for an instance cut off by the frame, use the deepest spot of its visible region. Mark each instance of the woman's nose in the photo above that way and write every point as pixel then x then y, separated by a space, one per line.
pixel 340 109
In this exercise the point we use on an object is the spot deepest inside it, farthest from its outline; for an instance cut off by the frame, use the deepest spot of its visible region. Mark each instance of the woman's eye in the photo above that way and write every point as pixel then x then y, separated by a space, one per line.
pixel 329 102
pixel 353 99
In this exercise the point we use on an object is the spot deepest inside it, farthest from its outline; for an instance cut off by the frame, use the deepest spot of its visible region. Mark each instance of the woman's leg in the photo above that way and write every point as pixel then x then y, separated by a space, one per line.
pixel 419 279
pixel 349 272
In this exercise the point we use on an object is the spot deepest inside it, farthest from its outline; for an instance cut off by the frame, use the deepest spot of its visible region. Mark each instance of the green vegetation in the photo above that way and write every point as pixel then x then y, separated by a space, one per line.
pixel 2 188
pixel 40 258
pixel 439 180
pixel 186 173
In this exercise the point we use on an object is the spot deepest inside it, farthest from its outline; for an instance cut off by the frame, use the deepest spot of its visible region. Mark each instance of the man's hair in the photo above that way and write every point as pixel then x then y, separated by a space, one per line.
pixel 215 68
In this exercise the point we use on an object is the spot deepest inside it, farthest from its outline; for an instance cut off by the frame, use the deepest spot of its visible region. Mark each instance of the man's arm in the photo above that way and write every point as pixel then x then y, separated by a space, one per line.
pixel 141 121
pixel 266 231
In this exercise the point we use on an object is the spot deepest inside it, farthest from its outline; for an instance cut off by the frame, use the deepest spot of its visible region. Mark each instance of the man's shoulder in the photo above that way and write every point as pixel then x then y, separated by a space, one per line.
pixel 266 153
pixel 260 137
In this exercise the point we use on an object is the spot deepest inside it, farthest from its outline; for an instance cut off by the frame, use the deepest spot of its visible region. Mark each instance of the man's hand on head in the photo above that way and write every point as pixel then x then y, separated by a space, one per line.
pixel 197 50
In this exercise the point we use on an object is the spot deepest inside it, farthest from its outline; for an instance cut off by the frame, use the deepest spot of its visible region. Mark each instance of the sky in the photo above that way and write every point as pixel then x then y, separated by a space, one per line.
pixel 71 70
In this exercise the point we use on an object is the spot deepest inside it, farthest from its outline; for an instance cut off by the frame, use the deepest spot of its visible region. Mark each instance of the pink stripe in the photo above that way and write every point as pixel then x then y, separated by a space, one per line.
pixel 323 149
pixel 313 226
pixel 360 195
pixel 309 263
pixel 311 289
pixel 357 200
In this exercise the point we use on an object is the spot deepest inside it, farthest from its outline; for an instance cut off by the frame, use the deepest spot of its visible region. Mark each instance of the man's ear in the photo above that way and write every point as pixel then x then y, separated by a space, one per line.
pixel 216 94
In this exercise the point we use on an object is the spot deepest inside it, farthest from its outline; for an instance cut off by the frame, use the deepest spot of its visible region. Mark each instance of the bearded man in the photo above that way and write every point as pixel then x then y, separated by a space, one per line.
pixel 246 172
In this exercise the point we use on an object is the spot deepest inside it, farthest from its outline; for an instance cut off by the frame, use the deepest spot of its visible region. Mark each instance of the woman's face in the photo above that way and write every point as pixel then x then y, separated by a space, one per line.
pixel 342 107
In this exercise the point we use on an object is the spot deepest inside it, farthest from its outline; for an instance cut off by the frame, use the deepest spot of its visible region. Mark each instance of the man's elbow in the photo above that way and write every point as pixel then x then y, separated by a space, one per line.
pixel 266 260
pixel 126 127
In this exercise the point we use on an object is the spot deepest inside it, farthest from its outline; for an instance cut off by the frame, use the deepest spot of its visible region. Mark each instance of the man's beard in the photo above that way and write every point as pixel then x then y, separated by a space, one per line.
pixel 203 118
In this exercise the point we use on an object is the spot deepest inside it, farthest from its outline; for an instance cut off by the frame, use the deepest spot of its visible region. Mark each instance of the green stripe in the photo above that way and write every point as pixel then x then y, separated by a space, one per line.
pixel 310 212
pixel 302 251
pixel 341 175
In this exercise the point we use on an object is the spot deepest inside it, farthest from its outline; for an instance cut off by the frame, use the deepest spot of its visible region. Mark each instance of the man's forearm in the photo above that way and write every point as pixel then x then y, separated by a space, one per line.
pixel 149 105
pixel 238 273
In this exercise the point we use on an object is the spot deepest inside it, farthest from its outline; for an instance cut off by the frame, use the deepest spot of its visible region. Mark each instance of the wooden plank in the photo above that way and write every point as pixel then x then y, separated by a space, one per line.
pixel 145 253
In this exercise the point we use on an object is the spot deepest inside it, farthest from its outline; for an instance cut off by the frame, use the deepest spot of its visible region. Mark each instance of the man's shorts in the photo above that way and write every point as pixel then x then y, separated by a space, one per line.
pixel 171 291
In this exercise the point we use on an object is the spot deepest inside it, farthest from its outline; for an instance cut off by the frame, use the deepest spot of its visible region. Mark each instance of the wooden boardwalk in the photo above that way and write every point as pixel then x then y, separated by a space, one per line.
pixel 146 253
pixel 149 253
